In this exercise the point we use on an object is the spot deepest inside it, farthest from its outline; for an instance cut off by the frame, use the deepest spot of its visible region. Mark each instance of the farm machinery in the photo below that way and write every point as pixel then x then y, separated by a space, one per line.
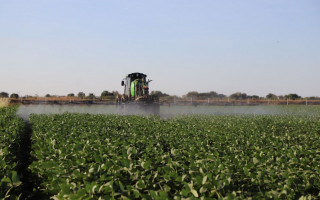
pixel 136 98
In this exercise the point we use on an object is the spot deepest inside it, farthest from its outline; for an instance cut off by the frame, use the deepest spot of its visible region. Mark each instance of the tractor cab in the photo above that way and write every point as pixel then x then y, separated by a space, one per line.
pixel 135 85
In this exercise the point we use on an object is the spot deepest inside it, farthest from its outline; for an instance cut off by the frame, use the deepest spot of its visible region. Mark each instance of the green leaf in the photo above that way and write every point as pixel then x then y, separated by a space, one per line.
pixel 65 188
pixel 153 193
pixel 195 193
pixel 167 188
pixel 246 171
pixel 163 194
pixel 204 180
pixel 255 160
pixel 203 190
pixel 121 186
pixel 15 177
pixel 184 192
pixel 136 193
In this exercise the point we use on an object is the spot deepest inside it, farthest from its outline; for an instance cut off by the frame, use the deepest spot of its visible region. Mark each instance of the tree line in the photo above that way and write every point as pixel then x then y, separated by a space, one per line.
pixel 237 96
pixel 81 95
pixel 192 94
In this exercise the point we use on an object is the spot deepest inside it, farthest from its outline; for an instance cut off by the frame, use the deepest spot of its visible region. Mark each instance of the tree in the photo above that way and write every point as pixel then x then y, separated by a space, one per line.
pixel 255 97
pixel 238 95
pixel 159 94
pixel 271 96
pixel 48 95
pixel 14 96
pixel 70 95
pixel 192 94
pixel 213 94
pixel 313 98
pixel 203 95
pixel 292 96
pixel 106 93
pixel 4 95
pixel 91 96
pixel 81 95
pixel 206 95
pixel 222 96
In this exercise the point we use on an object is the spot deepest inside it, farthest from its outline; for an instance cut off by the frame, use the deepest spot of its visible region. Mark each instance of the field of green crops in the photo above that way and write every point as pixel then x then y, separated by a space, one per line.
pixel 10 128
pixel 83 156
pixel 94 156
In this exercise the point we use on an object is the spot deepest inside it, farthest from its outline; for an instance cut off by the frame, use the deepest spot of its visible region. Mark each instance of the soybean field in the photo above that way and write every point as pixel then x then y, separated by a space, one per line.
pixel 221 156
pixel 11 130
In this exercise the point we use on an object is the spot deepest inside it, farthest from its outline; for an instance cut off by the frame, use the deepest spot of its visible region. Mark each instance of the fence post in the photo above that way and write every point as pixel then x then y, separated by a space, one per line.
pixel 287 101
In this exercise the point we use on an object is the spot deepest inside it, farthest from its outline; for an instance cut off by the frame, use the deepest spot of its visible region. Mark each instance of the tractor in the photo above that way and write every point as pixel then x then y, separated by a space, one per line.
pixel 136 98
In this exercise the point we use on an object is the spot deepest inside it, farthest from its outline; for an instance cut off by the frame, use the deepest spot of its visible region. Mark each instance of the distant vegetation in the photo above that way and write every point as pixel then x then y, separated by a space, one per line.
pixel 70 95
pixel 81 95
pixel 190 95
pixel 4 95
pixel 14 96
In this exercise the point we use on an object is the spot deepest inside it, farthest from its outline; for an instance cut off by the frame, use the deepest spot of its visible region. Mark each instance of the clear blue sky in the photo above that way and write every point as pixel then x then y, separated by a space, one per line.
pixel 256 47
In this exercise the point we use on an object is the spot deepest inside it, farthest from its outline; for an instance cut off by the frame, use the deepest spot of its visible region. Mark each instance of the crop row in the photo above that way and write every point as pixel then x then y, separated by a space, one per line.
pixel 81 156
pixel 11 128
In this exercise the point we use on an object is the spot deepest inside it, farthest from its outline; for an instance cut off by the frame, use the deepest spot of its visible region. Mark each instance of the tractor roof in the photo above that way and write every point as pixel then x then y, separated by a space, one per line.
pixel 137 75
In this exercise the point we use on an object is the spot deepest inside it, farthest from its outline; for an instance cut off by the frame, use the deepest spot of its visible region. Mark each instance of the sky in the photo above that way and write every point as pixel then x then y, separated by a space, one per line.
pixel 69 46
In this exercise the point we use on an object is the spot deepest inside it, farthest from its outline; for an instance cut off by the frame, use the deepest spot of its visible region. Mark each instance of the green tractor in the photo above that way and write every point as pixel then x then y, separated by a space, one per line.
pixel 136 98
